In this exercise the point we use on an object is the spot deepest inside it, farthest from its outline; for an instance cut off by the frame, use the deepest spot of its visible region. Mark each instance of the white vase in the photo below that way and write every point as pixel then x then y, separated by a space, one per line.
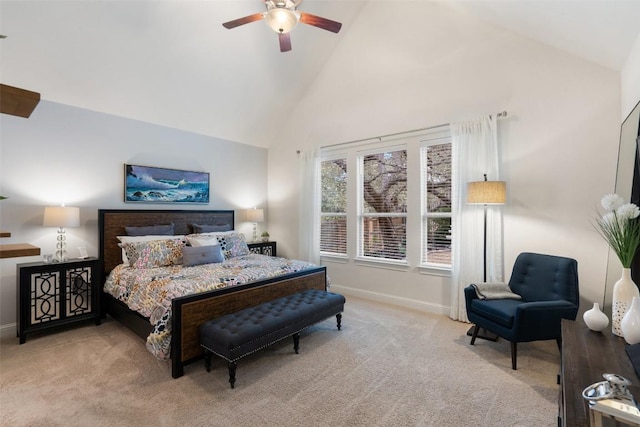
pixel 623 292
pixel 595 319
pixel 630 324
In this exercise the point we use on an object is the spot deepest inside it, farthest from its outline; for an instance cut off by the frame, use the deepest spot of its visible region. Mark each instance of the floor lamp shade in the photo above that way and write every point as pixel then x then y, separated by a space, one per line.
pixel 487 193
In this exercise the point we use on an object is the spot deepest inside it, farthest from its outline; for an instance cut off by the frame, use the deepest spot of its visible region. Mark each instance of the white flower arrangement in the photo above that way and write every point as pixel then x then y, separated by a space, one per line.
pixel 620 227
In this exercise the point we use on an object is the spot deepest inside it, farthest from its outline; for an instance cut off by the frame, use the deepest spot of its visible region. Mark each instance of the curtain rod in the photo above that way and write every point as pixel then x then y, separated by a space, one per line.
pixel 499 115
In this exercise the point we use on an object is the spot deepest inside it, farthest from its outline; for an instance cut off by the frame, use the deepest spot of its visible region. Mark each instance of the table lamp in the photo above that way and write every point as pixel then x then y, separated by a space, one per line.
pixel 255 215
pixel 61 217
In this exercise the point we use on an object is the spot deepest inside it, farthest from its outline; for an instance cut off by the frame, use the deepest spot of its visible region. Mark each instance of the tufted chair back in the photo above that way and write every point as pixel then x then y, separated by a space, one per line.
pixel 538 277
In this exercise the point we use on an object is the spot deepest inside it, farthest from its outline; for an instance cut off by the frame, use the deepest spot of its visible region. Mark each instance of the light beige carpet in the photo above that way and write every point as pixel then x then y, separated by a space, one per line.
pixel 387 367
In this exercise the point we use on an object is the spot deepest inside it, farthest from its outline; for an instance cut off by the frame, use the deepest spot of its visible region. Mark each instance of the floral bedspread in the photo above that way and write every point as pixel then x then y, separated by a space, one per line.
pixel 150 291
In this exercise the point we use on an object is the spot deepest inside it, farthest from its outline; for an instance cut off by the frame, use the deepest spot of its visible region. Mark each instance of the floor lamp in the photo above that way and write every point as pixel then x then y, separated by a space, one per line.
pixel 486 193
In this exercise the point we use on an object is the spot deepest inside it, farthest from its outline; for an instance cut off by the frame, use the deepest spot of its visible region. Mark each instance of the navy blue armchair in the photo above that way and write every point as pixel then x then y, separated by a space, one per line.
pixel 548 286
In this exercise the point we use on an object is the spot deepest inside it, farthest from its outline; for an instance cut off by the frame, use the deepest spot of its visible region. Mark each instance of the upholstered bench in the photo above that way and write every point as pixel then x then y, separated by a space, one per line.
pixel 239 334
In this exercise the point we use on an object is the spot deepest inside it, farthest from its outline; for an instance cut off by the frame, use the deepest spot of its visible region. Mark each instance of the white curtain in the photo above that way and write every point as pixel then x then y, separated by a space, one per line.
pixel 309 209
pixel 474 153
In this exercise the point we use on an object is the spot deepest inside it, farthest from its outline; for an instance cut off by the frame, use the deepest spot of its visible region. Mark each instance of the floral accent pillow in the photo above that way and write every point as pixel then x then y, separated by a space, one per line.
pixel 233 245
pixel 132 239
pixel 156 253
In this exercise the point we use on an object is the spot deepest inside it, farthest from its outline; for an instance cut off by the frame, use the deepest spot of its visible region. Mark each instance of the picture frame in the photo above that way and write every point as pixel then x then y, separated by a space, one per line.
pixel 149 184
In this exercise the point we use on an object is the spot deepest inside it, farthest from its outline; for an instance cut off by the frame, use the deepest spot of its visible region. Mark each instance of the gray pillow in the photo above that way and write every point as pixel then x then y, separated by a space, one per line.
pixel 197 228
pixel 195 255
pixel 156 230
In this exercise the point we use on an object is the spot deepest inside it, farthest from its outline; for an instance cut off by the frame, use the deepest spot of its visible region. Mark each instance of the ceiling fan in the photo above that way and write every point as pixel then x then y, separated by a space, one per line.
pixel 282 16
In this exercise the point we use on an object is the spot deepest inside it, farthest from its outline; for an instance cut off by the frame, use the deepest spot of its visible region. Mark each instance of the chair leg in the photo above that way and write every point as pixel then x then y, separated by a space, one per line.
pixel 514 355
pixel 475 334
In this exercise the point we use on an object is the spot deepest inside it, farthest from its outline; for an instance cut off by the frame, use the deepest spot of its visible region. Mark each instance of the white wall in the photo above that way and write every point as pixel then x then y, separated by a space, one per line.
pixel 426 65
pixel 76 156
pixel 630 77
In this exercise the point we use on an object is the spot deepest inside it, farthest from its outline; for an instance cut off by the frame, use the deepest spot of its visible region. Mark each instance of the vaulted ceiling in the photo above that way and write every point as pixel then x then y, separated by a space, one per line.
pixel 172 63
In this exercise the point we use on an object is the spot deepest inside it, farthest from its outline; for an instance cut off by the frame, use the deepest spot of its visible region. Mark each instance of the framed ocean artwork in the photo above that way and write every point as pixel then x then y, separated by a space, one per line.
pixel 146 184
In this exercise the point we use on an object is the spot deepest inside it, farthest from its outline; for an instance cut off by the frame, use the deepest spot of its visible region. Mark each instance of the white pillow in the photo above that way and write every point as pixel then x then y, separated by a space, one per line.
pixel 203 239
pixel 149 238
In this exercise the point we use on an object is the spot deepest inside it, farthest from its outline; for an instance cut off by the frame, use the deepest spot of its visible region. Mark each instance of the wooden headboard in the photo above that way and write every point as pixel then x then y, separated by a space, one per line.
pixel 112 223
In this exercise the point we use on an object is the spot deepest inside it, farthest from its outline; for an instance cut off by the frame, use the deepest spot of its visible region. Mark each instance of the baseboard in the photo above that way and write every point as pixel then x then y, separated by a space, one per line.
pixel 390 299
pixel 8 330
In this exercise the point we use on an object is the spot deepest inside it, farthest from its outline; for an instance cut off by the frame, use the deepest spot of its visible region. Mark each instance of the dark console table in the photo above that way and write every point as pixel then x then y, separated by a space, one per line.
pixel 56 294
pixel 586 355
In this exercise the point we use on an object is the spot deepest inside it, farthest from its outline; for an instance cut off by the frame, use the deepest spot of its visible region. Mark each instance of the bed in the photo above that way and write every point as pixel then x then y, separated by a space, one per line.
pixel 190 311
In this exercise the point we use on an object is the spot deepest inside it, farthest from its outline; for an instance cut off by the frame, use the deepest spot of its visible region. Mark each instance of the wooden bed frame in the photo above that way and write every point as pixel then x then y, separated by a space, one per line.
pixel 189 312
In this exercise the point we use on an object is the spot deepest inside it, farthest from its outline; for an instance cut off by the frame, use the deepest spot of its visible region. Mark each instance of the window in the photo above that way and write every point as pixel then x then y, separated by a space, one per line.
pixel 383 205
pixel 436 203
pixel 333 215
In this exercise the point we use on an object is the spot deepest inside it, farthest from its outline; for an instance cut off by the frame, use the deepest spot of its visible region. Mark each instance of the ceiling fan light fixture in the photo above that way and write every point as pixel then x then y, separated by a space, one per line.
pixel 281 20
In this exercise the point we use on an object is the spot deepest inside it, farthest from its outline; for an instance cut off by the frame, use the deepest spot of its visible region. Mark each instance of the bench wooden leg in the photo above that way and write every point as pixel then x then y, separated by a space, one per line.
pixel 296 342
pixel 339 319
pixel 207 360
pixel 232 374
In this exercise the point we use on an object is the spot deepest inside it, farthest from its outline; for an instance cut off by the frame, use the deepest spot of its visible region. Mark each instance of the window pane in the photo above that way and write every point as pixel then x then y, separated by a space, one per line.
pixel 384 182
pixel 334 186
pixel 333 225
pixel 437 241
pixel 384 237
pixel 333 234
pixel 438 178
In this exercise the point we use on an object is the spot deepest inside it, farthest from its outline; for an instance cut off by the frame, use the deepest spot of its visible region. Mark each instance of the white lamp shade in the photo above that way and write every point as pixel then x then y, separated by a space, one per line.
pixel 61 216
pixel 281 20
pixel 487 193
pixel 255 215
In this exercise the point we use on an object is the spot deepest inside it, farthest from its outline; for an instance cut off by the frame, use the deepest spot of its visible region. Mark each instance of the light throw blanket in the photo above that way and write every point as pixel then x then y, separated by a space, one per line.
pixel 495 290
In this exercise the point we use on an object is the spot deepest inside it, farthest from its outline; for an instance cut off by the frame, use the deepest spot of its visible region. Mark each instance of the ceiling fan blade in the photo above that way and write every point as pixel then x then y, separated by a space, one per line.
pixel 242 21
pixel 317 21
pixel 285 42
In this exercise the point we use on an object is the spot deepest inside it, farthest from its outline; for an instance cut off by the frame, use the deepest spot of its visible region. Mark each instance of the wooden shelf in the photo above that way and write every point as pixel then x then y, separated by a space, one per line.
pixel 5 234
pixel 15 250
